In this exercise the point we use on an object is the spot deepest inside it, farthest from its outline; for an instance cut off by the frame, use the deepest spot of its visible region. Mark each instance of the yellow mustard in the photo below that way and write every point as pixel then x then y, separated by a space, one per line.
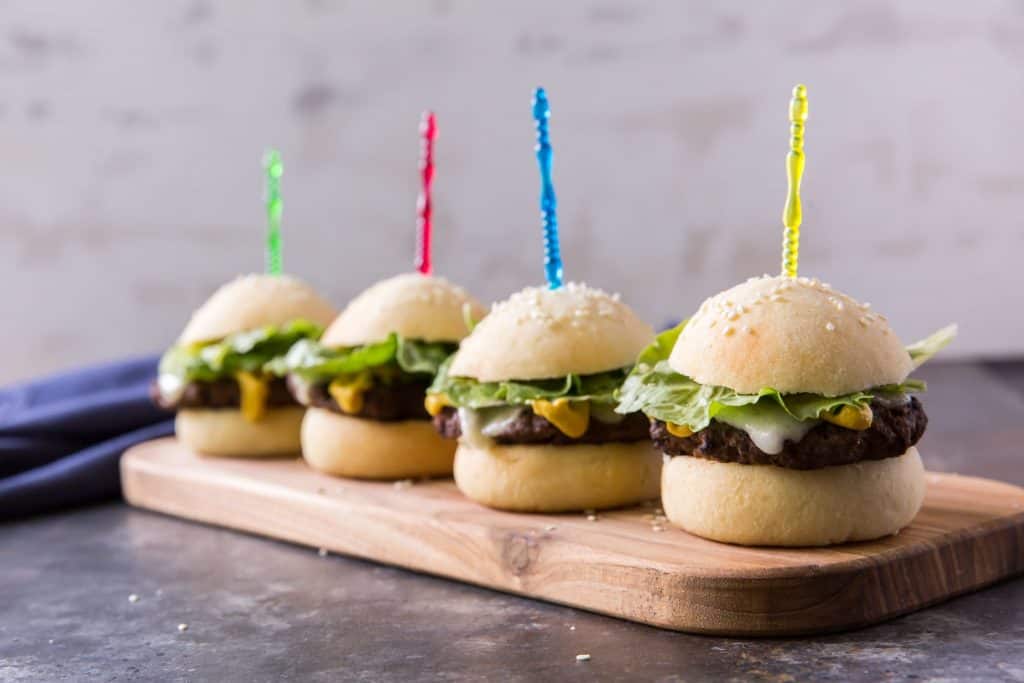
pixel 434 403
pixel 857 418
pixel 348 391
pixel 682 431
pixel 570 417
pixel 253 390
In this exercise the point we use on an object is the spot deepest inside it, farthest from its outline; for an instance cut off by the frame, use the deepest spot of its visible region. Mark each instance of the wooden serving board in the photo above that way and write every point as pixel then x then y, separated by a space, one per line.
pixel 969 534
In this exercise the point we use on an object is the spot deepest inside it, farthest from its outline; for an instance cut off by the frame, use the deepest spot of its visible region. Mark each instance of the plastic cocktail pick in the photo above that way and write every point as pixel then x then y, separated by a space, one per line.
pixel 428 132
pixel 792 214
pixel 272 194
pixel 548 202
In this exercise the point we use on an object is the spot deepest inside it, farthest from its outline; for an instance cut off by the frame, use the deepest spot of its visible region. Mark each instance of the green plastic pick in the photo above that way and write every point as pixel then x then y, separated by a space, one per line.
pixel 272 194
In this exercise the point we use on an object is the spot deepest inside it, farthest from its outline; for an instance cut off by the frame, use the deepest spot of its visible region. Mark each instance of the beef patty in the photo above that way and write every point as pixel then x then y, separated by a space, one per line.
pixel 383 402
pixel 894 428
pixel 221 393
pixel 529 428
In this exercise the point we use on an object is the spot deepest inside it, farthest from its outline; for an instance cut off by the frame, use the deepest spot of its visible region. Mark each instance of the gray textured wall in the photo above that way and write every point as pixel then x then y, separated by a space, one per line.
pixel 130 136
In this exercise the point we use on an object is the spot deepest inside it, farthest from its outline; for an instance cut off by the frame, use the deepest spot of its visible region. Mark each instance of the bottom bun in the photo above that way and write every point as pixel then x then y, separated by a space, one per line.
pixel 768 505
pixel 227 433
pixel 371 449
pixel 558 478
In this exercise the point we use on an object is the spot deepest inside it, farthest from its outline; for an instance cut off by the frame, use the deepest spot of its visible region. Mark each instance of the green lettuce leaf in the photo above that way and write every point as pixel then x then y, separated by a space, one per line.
pixel 922 351
pixel 469 393
pixel 249 351
pixel 654 388
pixel 315 362
pixel 467 316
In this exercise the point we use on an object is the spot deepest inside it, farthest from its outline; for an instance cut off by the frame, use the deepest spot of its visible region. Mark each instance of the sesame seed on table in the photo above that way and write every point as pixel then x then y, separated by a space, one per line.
pixel 212 604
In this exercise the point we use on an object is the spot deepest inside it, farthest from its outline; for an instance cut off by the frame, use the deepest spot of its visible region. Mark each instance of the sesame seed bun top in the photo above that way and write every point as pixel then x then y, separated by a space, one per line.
pixel 250 302
pixel 415 306
pixel 540 333
pixel 794 335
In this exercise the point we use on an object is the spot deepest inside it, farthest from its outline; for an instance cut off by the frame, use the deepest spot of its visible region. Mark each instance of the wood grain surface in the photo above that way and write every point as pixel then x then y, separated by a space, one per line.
pixel 625 563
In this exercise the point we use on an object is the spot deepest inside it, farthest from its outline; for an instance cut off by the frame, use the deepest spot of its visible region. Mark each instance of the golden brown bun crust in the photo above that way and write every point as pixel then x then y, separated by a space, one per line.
pixel 227 433
pixel 558 478
pixel 540 333
pixel 252 301
pixel 774 506
pixel 793 335
pixel 370 449
pixel 413 305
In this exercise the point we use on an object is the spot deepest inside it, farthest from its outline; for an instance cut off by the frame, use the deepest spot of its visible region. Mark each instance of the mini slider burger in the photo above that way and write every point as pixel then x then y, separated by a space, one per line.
pixel 787 412
pixel 529 395
pixel 365 381
pixel 218 375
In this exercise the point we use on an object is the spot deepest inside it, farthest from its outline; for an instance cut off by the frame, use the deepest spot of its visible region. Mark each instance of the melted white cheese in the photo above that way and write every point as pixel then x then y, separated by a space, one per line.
pixel 479 426
pixel 892 400
pixel 302 389
pixel 767 425
pixel 171 387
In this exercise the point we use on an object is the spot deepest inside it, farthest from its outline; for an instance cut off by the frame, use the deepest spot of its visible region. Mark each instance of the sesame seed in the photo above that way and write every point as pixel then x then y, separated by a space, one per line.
pixel 583 657
pixel 591 518
pixel 712 324
pixel 727 332
pixel 839 305
pixel 863 321
pixel 322 552
pixel 572 628
pixel 830 326
pixel 133 598
pixel 550 527
pixel 657 528
pixel 747 329
pixel 776 298
pixel 182 627
pixel 865 306
pixel 733 315
pixel 403 483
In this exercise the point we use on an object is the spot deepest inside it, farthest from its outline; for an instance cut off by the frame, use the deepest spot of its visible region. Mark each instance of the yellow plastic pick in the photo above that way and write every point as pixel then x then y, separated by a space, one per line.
pixel 792 214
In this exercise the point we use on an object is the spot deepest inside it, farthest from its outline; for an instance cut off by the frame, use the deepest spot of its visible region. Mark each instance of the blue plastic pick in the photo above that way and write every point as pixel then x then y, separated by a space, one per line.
pixel 548 202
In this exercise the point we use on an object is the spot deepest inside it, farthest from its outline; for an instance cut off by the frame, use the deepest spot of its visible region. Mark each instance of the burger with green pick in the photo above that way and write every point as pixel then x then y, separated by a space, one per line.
pixel 219 376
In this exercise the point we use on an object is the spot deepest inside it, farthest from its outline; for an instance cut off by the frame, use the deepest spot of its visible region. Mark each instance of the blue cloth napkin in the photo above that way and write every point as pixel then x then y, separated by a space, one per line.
pixel 61 437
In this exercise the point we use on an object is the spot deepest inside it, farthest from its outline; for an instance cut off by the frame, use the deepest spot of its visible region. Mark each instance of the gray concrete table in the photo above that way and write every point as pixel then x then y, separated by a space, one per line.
pixel 258 610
